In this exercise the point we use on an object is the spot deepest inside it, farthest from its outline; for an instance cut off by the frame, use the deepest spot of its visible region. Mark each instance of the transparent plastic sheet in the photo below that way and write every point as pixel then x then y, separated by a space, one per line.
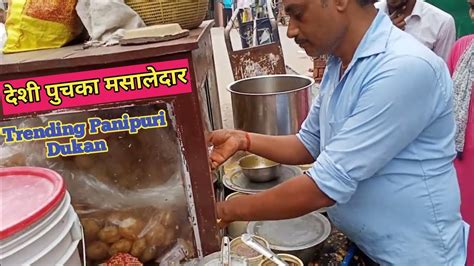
pixel 104 29
pixel 176 255
pixel 145 232
pixel 130 199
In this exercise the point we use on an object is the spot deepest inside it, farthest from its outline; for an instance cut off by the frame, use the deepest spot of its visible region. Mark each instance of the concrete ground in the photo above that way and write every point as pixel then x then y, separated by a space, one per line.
pixel 294 56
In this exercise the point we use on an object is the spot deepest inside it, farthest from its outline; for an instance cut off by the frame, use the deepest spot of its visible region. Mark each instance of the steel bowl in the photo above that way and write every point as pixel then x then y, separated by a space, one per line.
pixel 258 169
pixel 252 261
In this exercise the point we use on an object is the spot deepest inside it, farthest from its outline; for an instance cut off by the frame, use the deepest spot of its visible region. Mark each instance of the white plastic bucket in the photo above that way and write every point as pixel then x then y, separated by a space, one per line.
pixel 51 240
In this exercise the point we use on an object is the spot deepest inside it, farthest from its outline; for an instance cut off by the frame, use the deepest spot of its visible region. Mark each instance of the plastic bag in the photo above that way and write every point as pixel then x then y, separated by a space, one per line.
pixel 40 24
pixel 130 199
pixel 104 29
pixel 144 232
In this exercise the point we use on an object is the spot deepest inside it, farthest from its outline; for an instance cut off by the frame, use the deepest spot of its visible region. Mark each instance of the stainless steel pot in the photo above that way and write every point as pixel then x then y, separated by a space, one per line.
pixel 299 237
pixel 273 104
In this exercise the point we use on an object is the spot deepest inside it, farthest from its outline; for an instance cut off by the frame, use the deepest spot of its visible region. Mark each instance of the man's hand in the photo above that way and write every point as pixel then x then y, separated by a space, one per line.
pixel 398 18
pixel 225 144
pixel 221 223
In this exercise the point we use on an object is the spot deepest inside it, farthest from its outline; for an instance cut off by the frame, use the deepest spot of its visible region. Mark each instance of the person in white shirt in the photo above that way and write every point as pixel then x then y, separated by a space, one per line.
pixel 244 4
pixel 430 25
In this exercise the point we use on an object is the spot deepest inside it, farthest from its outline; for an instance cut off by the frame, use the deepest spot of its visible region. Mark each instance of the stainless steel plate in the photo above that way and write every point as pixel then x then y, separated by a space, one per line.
pixel 293 234
pixel 237 181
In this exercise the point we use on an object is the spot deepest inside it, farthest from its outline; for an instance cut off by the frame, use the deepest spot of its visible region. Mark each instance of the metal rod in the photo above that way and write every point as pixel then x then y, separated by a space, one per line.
pixel 225 249
pixel 251 242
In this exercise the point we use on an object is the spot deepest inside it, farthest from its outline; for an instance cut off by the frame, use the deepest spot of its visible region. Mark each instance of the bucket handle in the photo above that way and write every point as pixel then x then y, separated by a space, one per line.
pixel 83 240
pixel 77 234
pixel 228 28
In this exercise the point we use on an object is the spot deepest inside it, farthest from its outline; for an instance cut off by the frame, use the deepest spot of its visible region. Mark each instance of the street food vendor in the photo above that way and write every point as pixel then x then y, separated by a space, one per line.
pixel 380 135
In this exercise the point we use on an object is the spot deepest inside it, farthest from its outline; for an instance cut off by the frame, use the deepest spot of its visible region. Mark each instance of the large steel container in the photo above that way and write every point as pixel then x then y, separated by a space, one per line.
pixel 272 104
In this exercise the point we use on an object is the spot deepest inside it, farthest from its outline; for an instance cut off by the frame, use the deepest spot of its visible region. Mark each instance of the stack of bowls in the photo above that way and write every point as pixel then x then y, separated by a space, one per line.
pixel 239 248
pixel 236 229
pixel 259 170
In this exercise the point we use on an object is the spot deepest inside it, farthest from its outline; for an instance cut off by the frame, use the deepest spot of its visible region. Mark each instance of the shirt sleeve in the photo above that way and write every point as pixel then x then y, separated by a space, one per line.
pixel 393 108
pixel 309 133
pixel 446 39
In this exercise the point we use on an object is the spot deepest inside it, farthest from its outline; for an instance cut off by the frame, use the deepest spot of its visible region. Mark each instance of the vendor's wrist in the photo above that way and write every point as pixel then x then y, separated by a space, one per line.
pixel 222 212
pixel 244 140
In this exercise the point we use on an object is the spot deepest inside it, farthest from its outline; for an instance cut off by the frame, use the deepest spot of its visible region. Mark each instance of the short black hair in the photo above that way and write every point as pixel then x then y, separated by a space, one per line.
pixel 360 2
pixel 366 2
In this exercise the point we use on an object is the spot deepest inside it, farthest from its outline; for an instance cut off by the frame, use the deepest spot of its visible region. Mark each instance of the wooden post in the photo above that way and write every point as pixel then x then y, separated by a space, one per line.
pixel 219 14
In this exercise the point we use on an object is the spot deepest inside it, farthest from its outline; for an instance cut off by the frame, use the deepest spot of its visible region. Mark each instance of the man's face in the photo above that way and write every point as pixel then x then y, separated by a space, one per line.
pixel 316 25
pixel 396 4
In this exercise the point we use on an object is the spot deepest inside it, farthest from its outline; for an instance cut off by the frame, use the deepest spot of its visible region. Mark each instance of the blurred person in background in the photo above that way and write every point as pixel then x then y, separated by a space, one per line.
pixel 428 24
pixel 461 66
pixel 228 4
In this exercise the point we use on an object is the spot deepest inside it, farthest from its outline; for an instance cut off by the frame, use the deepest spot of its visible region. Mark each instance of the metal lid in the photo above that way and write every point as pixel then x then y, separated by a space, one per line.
pixel 293 234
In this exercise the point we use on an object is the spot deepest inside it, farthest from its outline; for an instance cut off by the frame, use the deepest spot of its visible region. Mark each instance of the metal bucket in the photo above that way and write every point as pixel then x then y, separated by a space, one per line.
pixel 271 104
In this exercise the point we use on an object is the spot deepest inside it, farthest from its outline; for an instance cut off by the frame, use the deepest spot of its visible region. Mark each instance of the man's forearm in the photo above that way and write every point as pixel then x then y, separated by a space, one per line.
pixel 294 198
pixel 282 149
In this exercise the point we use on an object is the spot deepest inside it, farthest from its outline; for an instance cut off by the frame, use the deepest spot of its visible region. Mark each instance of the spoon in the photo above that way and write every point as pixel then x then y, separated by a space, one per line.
pixel 251 242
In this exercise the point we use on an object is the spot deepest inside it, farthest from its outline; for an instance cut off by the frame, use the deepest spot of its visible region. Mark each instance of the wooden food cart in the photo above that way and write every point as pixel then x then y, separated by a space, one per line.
pixel 125 127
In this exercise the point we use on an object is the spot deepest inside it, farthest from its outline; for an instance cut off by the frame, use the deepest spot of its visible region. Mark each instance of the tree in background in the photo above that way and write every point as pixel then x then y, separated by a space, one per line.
pixel 457 9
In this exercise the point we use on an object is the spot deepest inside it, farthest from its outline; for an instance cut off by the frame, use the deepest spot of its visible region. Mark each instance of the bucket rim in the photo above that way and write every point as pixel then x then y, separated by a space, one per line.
pixel 311 83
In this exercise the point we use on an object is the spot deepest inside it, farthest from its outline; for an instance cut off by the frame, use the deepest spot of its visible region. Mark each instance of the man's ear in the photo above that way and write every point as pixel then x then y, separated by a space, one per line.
pixel 341 5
